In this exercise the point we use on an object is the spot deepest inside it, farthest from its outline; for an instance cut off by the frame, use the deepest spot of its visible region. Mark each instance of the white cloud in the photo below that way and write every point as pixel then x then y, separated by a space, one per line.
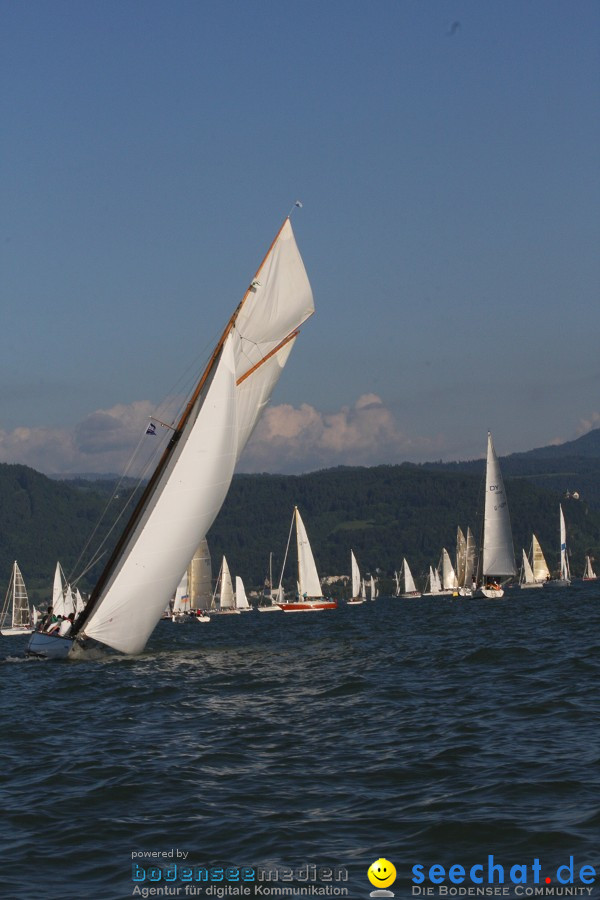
pixel 103 442
pixel 290 439
pixel 585 425
pixel 287 439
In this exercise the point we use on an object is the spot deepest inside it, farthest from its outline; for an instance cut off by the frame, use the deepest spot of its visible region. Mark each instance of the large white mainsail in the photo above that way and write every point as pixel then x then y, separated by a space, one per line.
pixel 191 481
pixel 226 597
pixel 498 551
pixel 355 572
pixel 241 600
pixel 308 578
pixel 565 573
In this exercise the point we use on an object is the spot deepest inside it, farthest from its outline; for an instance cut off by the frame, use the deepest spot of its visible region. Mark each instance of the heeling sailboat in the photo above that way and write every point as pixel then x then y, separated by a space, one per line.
pixel 564 580
pixel 589 574
pixel 498 562
pixel 310 597
pixel 192 478
pixel 15 617
pixel 357 597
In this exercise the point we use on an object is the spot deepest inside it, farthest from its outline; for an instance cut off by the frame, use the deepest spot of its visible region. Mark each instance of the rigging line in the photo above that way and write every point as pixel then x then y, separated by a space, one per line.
pixel 74 579
pixel 286 552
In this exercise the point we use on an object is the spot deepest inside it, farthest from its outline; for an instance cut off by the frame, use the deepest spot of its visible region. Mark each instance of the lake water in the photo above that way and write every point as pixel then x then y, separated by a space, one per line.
pixel 425 732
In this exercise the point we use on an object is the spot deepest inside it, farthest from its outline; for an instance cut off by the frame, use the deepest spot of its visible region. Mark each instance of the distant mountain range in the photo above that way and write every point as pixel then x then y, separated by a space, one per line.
pixel 383 513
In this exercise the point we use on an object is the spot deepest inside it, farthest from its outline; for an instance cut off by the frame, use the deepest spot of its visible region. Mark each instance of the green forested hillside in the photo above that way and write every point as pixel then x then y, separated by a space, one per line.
pixel 383 513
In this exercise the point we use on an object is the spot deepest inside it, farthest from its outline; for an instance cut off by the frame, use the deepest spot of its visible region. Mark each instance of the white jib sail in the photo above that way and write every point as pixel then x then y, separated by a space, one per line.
pixel 528 577
pixel 181 603
pixel 308 577
pixel 449 580
pixel 409 581
pixel 355 575
pixel 564 559
pixel 178 516
pixel 498 551
pixel 226 599
pixel 241 600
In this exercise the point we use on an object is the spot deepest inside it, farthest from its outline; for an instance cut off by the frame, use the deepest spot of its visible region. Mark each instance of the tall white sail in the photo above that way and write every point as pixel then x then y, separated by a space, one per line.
pixel 20 613
pixel 528 576
pixel 449 579
pixel 373 589
pixel 471 556
pixel 498 551
pixel 200 577
pixel 177 517
pixel 541 572
pixel 226 599
pixel 187 490
pixel 58 592
pixel 461 557
pixel 241 600
pixel 564 559
pixel 308 578
pixel 181 603
pixel 355 575
pixel 409 581
pixel 589 574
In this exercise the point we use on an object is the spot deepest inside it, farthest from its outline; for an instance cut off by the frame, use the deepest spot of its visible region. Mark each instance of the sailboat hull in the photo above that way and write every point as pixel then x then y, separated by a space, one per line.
pixel 308 605
pixel 490 593
pixel 532 584
pixel 558 582
pixel 7 632
pixel 355 601
pixel 49 646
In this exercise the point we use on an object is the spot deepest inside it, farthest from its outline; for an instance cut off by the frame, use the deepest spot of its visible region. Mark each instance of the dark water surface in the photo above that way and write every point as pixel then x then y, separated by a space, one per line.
pixel 424 731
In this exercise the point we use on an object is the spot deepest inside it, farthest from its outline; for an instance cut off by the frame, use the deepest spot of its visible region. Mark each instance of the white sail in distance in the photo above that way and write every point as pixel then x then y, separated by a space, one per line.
pixel 541 572
pixel 355 571
pixel 498 551
pixel 308 578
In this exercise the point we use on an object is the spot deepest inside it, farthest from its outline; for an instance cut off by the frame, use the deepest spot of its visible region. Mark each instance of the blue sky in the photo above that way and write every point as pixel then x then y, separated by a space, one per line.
pixel 446 154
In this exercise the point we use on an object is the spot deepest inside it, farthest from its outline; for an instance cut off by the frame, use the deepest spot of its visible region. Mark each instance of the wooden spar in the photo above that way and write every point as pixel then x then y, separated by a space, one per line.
pixel 275 350
pixel 162 463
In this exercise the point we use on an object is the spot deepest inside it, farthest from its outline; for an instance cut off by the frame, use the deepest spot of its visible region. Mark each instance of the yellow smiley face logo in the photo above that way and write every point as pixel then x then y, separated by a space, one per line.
pixel 382 873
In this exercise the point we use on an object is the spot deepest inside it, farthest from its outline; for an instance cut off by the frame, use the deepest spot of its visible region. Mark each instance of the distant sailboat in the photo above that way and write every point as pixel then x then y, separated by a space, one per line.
pixel 357 597
pixel 498 563
pixel 564 580
pixel 16 615
pixel 589 574
pixel 535 574
pixel 449 579
pixel 310 596
pixel 181 602
pixel 372 589
pixel 465 562
pixel 224 590
pixel 184 495
pixel 434 583
pixel 241 600
pixel 410 588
